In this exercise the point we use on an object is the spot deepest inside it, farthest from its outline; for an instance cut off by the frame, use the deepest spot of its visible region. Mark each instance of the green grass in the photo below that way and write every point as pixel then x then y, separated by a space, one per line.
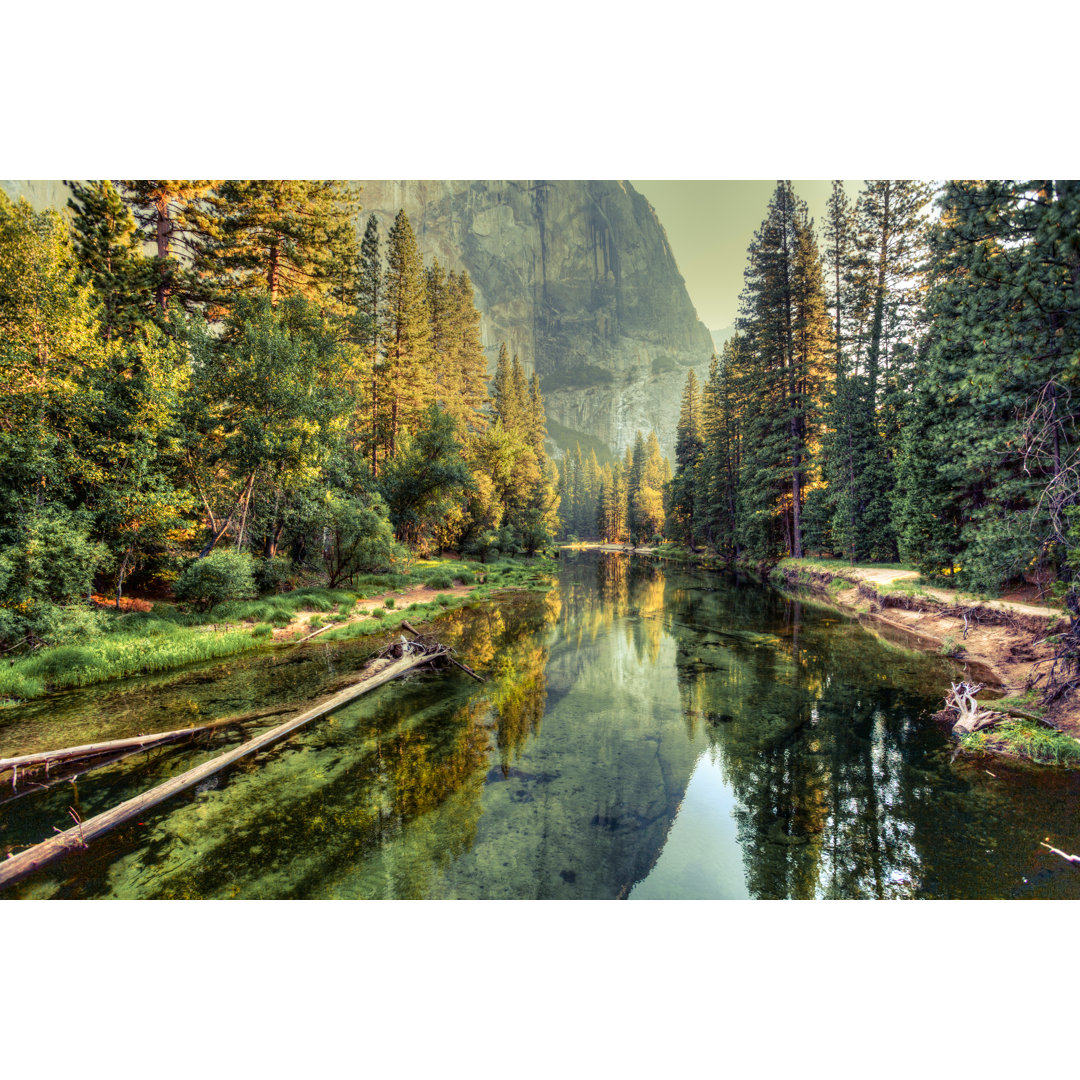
pixel 262 630
pixel 1028 702
pixel 116 655
pixel 1026 738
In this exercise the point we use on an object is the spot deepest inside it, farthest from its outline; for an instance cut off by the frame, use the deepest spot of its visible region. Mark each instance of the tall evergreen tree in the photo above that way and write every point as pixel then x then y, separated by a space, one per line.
pixel 407 337
pixel 787 350
pixel 282 238
pixel 105 237
pixel 371 303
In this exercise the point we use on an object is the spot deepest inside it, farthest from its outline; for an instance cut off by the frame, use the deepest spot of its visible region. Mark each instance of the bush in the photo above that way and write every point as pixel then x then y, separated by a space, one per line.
pixel 218 577
pixel 390 601
pixel 378 613
pixel 262 630
pixel 273 575
pixel 444 600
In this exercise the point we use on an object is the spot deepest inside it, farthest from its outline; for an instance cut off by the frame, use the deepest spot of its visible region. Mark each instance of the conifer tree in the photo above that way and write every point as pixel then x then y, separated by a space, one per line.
pixel 786 349
pixel 106 242
pixel 173 216
pixel 685 513
pixel 282 238
pixel 408 331
pixel 371 304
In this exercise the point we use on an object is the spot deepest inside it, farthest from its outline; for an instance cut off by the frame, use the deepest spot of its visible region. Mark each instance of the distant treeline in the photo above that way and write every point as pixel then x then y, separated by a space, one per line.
pixel 900 386
pixel 192 366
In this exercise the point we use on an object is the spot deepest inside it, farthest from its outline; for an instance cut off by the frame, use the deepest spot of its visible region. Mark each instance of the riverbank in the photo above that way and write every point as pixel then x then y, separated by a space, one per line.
pixel 1002 643
pixel 147 638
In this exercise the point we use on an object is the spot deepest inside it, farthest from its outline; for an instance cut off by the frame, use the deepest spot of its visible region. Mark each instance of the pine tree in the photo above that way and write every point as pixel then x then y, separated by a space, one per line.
pixel 786 349
pixel 987 433
pixel 371 302
pixel 407 335
pixel 172 215
pixel 470 362
pixel 106 242
pixel 689 443
pixel 282 238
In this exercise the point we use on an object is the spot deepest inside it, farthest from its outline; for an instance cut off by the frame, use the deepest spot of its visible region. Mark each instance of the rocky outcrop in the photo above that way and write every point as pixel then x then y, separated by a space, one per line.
pixel 578 278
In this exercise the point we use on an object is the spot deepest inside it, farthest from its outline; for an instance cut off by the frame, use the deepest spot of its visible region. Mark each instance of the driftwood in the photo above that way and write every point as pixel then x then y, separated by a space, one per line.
pixel 1074 859
pixel 90 750
pixel 457 663
pixel 26 862
pixel 970 715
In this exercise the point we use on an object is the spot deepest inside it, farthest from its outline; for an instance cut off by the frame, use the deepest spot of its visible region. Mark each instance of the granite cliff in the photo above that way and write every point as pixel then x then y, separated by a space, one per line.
pixel 578 278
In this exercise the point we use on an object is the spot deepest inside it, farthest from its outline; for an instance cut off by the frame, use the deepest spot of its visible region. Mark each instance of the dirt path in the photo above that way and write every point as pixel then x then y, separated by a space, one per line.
pixel 999 650
pixel 947 596
pixel 415 594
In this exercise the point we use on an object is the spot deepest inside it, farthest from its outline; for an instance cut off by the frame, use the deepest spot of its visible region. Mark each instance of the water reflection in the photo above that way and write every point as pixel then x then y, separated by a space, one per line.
pixel 645 731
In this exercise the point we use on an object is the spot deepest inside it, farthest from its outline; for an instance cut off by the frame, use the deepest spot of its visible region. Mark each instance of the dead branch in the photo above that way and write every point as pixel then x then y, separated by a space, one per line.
pixel 1074 859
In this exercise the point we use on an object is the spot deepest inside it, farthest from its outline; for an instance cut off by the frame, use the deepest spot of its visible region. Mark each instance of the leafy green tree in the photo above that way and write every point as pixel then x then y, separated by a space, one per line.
pixel 215 578
pixel 268 407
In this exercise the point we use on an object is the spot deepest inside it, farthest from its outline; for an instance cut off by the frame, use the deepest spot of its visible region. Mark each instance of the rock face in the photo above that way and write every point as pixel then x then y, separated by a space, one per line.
pixel 578 278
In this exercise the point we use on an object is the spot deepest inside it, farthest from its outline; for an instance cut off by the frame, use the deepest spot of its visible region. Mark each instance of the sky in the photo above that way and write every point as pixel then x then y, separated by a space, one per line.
pixel 709 224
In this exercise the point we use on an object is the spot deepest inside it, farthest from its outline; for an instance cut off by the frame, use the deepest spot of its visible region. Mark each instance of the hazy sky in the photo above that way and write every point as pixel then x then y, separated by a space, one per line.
pixel 709 224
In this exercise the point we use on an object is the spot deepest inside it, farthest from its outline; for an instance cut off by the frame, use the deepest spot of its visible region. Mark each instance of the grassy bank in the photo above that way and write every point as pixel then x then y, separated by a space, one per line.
pixel 169 637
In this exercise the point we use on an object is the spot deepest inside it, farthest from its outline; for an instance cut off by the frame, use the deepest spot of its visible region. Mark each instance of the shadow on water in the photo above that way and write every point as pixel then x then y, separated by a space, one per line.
pixel 645 731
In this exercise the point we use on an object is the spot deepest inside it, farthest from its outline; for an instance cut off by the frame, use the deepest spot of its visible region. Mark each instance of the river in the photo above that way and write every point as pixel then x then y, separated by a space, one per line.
pixel 646 732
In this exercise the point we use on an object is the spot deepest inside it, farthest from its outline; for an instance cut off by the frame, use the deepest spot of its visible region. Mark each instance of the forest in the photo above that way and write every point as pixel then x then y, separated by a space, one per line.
pixel 899 387
pixel 211 387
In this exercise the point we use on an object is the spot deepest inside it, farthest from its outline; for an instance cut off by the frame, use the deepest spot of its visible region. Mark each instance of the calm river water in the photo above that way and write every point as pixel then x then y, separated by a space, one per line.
pixel 646 733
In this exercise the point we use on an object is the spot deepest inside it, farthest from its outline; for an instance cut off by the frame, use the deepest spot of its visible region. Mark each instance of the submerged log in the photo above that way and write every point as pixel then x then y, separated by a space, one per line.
pixel 135 742
pixel 26 862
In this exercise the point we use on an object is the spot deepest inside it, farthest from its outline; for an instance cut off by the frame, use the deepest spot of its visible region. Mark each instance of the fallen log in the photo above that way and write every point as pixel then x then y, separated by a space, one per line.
pixel 137 742
pixel 17 866
pixel 457 663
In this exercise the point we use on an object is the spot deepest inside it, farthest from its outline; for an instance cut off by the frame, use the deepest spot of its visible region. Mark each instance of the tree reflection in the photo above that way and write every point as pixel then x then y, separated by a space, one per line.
pixel 817 739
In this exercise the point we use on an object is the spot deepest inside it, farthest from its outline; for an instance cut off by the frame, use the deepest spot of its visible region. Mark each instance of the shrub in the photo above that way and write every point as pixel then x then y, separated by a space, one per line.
pixel 378 613
pixel 217 577
pixel 444 600
pixel 262 630
pixel 273 575
pixel 390 601
pixel 441 580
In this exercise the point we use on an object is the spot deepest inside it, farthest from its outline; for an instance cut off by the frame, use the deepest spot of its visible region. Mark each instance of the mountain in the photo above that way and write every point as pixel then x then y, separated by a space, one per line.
pixel 578 278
